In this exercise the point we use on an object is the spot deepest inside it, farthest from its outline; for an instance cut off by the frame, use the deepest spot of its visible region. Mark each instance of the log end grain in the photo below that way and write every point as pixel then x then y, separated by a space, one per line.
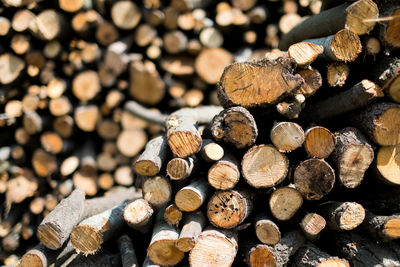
pixel 33 258
pixel 388 163
pixel 287 136
pixel 344 216
pixel 184 144
pixel 137 212
pixel 264 166
pixel 314 178
pixel 223 175
pixel 392 227
pixel 387 131
pixel 346 45
pixel 312 224
pixel 211 151
pixel 227 209
pixel 214 249
pixel 164 252
pixel 261 256
pixel 178 168
pixel 285 202
pixel 210 64
pixel 312 82
pixel 360 16
pixel 188 199
pixel 251 84
pixel 157 190
pixel 172 215
pixel 337 74
pixel 319 142
pixel 305 53
pixel 86 239
pixel 391 35
pixel 146 168
pixel 51 235
pixel 267 232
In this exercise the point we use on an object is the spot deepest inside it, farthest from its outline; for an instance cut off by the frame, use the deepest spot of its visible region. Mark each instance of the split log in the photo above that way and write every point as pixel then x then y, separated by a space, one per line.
pixel 138 215
pixel 224 174
pixel 311 256
pixel 215 248
pixel 319 142
pixel 347 15
pixel 235 125
pixel 210 63
pixel 252 84
pixel 182 129
pixel 173 215
pixel 314 178
pixel 304 53
pixel 266 230
pixel 381 123
pixel 287 247
pixel 157 191
pixel 284 202
pixel 337 74
pixel 88 236
pixel 381 228
pixel 360 251
pixel 358 96
pixel 352 156
pixel 162 248
pixel 179 168
pixel 312 224
pixel 287 136
pixel 191 229
pixel 344 45
pixel 54 230
pixel 341 216
pixel 228 209
pixel 387 164
pixel 128 254
pixel 192 196
pixel 264 166
pixel 211 151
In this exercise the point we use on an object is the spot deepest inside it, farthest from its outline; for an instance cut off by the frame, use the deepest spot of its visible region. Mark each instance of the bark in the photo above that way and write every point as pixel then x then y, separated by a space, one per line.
pixel 128 254
pixel 151 160
pixel 380 227
pixel 287 247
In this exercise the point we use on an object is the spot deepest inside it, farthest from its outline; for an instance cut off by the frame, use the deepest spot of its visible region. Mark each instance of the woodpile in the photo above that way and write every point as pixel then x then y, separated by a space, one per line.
pixel 200 133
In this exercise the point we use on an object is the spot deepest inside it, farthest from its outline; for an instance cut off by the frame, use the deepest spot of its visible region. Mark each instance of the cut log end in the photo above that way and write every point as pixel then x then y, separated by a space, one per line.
pixel 50 235
pixel 312 224
pixel 164 252
pixel 261 256
pixel 227 209
pixel 387 131
pixel 264 166
pixel 388 164
pixel 137 212
pixel 251 84
pixel 178 168
pixel 223 175
pixel 211 151
pixel 157 190
pixel 188 199
pixel 305 53
pixel 267 232
pixel 86 239
pixel 319 142
pixel 285 202
pixel 172 215
pixel 335 262
pixel 287 136
pixel 392 227
pixel 337 74
pixel 391 35
pixel 33 258
pixel 184 144
pixel 360 16
pixel 146 168
pixel 346 45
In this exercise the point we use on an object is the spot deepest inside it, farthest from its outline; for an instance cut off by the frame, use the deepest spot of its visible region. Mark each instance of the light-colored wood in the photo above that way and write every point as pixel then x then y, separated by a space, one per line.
pixel 285 202
pixel 125 14
pixel 228 209
pixel 287 136
pixel 342 215
pixel 319 142
pixel 312 82
pixel 191 229
pixel 11 67
pixel 210 63
pixel 151 160
pixel 381 228
pixel 125 144
pixel 139 215
pixel 44 163
pixel 21 20
pixel 210 37
pixel 252 84
pixel 304 53
pixel 86 85
pixel 312 224
pixel 86 117
pixel 264 166
pixel 87 181
pixel 162 248
pixel 224 174
pixel 48 25
pixel 260 255
pixel 71 6
pixel 157 191
pixel 173 215
pixel 192 196
pixel 180 168
pixel 211 151
pixel 388 164
pixel 175 42
pixel 214 248
pixel 266 230
pixel 337 74
pixel 124 175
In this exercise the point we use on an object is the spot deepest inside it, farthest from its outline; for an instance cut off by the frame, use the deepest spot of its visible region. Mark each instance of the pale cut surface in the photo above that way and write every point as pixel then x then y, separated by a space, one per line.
pixel 137 211
pixel 387 131
pixel 360 16
pixel 394 88
pixel 319 142
pixel 353 164
pixel 392 227
pixel 285 202
pixel 157 190
pixel 287 136
pixel 388 163
pixel 188 199
pixel 313 223
pixel 353 215
pixel 164 252
pixel 262 256
pixel 392 35
pixel 305 53
pixel 333 263
pixel 223 176
pixel 267 232
pixel 346 45
pixel 212 250
pixel 264 166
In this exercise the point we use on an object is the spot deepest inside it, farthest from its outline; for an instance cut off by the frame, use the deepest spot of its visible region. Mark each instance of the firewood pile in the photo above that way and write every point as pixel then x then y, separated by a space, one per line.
pixel 200 133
